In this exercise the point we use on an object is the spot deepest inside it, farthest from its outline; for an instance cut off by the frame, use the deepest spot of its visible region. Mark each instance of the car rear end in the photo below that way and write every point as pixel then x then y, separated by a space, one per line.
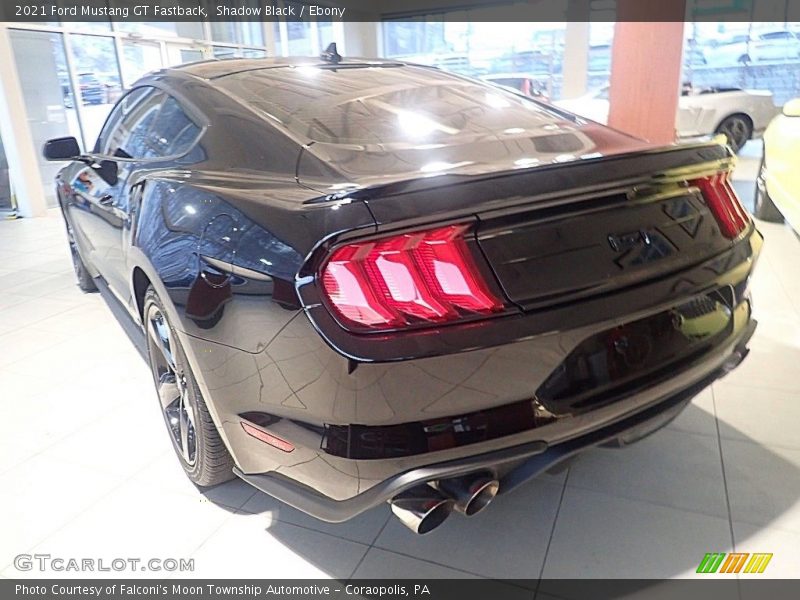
pixel 522 298
pixel 481 342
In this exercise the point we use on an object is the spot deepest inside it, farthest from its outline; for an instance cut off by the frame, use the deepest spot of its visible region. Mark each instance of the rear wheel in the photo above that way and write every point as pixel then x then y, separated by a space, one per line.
pixel 195 438
pixel 738 129
pixel 765 208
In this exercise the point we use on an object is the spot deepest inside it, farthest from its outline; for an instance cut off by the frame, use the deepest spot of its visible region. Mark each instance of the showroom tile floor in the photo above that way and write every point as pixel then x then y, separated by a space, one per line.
pixel 87 469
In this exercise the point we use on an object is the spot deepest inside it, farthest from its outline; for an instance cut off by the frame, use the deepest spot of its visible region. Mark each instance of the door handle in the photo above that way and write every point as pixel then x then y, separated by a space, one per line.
pixel 106 200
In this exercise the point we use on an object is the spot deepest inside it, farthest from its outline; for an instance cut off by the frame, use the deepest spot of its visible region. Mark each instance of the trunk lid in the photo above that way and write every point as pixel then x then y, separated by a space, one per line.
pixel 543 256
pixel 564 231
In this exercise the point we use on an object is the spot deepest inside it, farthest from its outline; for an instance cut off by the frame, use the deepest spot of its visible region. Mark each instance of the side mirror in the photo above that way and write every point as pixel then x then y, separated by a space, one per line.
pixel 65 148
pixel 792 108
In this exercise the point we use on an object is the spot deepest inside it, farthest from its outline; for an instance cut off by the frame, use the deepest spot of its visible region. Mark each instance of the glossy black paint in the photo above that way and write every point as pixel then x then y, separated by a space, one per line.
pixel 65 148
pixel 585 231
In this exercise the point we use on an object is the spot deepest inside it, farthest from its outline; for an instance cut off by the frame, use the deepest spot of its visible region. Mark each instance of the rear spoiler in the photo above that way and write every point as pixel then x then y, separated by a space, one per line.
pixel 445 193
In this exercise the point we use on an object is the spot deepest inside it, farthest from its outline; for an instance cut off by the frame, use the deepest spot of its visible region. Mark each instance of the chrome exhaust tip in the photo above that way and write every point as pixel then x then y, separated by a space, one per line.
pixel 471 493
pixel 422 509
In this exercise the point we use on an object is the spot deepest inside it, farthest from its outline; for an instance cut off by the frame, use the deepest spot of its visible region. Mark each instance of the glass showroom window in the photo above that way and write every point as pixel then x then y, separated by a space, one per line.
pixel 248 33
pixel 88 26
pixel 325 34
pixel 226 52
pixel 47 89
pixel 598 59
pixel 178 54
pixel 72 73
pixel 761 56
pixel 298 37
pixel 5 184
pixel 139 58
pixel 526 56
pixel 94 59
pixel 254 53
pixel 192 30
pixel 404 38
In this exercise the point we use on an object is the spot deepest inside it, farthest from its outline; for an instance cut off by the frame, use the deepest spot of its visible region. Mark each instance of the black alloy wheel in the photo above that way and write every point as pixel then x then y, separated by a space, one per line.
pixel 195 438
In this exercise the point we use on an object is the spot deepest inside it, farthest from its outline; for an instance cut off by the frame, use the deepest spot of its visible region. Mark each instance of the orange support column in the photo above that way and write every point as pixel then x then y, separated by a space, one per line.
pixel 646 68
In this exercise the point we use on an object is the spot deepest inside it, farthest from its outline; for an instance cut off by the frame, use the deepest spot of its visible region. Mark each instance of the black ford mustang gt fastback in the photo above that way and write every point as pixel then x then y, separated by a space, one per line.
pixel 364 281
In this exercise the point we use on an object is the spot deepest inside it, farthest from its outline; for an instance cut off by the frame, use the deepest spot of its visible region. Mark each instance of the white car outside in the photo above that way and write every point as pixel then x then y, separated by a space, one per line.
pixel 739 114
pixel 770 46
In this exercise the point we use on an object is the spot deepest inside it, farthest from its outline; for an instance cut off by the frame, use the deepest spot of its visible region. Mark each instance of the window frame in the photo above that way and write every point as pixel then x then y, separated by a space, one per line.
pixel 191 112
pixel 98 148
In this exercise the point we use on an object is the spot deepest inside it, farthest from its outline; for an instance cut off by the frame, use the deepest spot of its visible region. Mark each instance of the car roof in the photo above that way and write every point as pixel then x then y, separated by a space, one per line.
pixel 216 68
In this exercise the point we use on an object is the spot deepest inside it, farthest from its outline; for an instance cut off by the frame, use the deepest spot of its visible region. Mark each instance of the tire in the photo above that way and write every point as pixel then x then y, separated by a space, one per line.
pixel 737 128
pixel 85 280
pixel 765 208
pixel 195 438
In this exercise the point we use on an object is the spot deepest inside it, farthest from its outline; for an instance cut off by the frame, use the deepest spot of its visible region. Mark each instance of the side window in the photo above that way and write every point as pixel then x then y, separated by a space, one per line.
pixel 123 107
pixel 173 132
pixel 129 138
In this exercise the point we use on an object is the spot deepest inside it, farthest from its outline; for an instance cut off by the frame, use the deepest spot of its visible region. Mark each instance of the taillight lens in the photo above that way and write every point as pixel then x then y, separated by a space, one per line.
pixel 413 278
pixel 724 204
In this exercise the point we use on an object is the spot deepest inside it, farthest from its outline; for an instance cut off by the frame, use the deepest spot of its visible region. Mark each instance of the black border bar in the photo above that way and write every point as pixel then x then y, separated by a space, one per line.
pixel 47 11
pixel 706 587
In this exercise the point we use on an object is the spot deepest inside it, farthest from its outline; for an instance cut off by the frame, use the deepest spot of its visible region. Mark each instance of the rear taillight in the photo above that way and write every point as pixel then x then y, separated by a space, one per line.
pixel 405 280
pixel 723 203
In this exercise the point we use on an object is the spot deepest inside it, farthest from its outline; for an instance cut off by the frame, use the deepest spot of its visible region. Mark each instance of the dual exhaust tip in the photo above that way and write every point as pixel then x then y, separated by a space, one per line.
pixel 424 507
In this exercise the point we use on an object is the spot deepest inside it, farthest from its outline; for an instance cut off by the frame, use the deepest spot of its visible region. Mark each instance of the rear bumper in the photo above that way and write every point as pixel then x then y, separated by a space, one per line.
pixel 636 418
pixel 363 431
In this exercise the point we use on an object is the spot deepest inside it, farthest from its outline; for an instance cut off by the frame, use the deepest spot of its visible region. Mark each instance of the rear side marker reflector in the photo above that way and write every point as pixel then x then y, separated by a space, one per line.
pixel 724 204
pixel 267 438
pixel 420 277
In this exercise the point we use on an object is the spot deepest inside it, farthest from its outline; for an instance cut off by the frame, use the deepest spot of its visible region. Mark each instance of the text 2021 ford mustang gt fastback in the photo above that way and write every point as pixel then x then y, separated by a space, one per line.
pixel 365 281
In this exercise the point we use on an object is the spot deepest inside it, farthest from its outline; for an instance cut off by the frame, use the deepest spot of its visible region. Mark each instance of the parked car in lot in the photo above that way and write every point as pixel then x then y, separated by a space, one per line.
pixel 599 58
pixel 778 183
pixel 779 45
pixel 456 63
pixel 368 281
pixel 739 114
pixel 92 91
pixel 112 87
pixel 524 83
pixel 543 61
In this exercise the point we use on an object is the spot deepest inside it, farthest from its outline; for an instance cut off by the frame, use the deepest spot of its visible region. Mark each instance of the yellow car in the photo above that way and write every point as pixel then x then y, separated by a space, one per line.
pixel 778 183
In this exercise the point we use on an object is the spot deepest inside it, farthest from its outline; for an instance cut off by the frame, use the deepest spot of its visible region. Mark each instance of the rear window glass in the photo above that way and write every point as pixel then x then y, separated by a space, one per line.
pixel 383 105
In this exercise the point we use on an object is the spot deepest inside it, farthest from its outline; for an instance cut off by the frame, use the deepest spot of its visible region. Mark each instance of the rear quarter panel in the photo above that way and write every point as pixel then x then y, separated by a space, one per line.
pixel 226 259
